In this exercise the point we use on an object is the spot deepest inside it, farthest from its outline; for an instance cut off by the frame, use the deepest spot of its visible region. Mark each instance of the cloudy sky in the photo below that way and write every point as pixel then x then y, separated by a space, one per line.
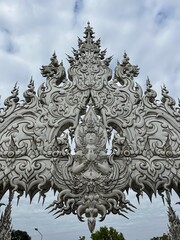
pixel 148 30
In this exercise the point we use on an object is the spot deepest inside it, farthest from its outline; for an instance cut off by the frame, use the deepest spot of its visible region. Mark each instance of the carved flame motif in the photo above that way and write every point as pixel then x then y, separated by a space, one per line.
pixel 91 106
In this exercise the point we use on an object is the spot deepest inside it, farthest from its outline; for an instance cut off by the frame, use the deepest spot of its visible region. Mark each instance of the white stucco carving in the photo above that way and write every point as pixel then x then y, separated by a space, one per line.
pixel 174 221
pixel 5 220
pixel 91 105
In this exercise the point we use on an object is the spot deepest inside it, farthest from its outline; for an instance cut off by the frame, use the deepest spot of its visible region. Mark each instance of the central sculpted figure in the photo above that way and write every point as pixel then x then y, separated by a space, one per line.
pixel 90 159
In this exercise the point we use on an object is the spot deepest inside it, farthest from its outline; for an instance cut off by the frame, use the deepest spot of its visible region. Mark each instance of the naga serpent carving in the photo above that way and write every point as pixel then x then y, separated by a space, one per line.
pixel 90 108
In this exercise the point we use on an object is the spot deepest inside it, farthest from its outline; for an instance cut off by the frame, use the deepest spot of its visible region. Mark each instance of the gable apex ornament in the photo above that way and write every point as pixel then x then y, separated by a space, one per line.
pixel 93 106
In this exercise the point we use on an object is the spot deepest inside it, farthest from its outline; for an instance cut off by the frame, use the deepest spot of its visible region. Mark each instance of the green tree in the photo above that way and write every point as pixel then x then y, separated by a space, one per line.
pixel 19 235
pixel 163 237
pixel 82 238
pixel 107 234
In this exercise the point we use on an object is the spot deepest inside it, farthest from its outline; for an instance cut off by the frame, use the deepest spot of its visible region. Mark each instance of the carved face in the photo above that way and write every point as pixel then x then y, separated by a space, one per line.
pixel 91 138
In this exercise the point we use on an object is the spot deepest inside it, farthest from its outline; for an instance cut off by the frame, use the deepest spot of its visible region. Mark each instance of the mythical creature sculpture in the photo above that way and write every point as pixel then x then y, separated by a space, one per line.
pixel 90 106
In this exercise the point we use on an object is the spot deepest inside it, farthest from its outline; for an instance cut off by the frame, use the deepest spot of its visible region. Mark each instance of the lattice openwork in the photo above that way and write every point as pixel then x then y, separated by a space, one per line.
pixel 90 106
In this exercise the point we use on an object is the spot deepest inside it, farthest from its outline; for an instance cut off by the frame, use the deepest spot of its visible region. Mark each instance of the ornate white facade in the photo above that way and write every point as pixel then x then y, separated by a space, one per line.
pixel 90 106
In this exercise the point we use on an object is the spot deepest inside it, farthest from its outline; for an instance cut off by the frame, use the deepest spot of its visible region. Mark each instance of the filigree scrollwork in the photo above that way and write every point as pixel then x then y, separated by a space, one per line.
pixel 93 108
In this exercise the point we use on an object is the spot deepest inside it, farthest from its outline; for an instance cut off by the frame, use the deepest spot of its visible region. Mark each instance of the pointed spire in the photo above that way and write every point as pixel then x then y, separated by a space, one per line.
pixel 108 60
pixel 75 53
pixel 89 34
pixel 70 59
pixel 164 90
pixel 80 42
pixel 150 93
pixel 30 92
pixel 13 98
pixel 125 59
pixel 98 42
pixel 148 84
pixel 166 98
pixel 89 43
pixel 54 61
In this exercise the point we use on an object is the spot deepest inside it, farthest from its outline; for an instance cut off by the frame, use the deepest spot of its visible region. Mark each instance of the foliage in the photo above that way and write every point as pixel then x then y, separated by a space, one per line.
pixel 164 237
pixel 105 234
pixel 82 238
pixel 19 235
pixel 111 234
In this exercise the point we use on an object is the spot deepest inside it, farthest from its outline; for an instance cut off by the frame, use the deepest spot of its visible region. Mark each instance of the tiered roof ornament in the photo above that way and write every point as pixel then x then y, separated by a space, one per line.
pixel 92 106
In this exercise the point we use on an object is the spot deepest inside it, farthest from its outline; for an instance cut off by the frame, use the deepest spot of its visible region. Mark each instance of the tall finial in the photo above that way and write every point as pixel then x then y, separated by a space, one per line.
pixel 89 34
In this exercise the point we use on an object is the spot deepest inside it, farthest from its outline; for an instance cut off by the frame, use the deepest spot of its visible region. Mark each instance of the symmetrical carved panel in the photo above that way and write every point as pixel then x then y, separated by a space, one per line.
pixel 89 109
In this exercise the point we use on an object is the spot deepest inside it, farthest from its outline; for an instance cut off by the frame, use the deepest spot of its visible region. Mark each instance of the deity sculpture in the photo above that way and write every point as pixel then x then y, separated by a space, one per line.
pixel 90 157
pixel 88 173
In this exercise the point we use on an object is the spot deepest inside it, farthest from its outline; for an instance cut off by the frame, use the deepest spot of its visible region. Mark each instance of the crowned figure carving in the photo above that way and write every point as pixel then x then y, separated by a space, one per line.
pixel 98 110
pixel 90 156
pixel 90 173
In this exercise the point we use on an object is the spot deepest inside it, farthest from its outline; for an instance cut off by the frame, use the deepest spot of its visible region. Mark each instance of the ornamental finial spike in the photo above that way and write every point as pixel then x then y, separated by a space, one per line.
pixel 148 83
pixel 13 98
pixel 164 89
pixel 89 34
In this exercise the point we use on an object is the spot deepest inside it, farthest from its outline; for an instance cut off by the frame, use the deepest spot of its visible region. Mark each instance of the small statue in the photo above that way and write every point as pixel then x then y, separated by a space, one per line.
pixel 90 158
